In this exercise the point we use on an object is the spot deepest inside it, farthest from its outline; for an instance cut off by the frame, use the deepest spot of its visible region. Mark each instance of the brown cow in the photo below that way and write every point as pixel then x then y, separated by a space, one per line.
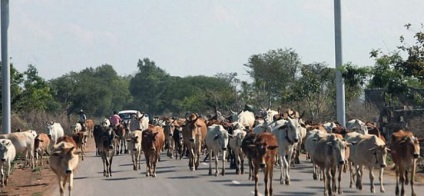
pixel 41 146
pixel 405 150
pixel 63 163
pixel 89 125
pixel 372 129
pixel 121 131
pixel 152 143
pixel 194 134
pixel 80 140
pixel 107 141
pixel 264 151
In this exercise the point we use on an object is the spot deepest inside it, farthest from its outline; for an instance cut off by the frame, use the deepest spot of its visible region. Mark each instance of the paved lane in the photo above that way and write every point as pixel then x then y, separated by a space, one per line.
pixel 174 178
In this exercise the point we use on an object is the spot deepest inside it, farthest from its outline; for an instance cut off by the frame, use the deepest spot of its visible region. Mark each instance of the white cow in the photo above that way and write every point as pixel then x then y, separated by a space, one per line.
pixel 24 143
pixel 287 134
pixel 329 126
pixel 105 123
pixel 7 155
pixel 357 125
pixel 268 115
pixel 134 145
pixel 54 131
pixel 216 141
pixel 235 144
pixel 312 138
pixel 246 118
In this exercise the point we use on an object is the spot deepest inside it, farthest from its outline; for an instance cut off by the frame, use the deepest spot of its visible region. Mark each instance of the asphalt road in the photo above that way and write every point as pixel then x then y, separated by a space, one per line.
pixel 175 178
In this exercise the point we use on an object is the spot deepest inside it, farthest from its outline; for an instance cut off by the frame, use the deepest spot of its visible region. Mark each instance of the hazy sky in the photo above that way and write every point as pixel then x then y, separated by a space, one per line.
pixel 198 37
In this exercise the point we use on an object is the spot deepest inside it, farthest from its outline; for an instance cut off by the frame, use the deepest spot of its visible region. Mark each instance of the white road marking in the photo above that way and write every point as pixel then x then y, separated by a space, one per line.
pixel 235 182
pixel 259 194
pixel 205 163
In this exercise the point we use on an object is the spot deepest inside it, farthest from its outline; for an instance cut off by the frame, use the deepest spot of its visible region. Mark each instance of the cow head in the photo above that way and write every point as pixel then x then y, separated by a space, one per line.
pixel 149 138
pixel 292 130
pixel 412 145
pixel 380 153
pixel 260 150
pixel 337 147
pixel 5 145
pixel 221 137
pixel 193 127
pixel 67 155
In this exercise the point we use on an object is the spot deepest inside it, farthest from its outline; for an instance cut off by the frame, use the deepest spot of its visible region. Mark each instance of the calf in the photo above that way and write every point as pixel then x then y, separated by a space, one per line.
pixel 134 145
pixel 41 146
pixel 63 162
pixel 152 143
pixel 264 150
pixel 216 141
pixel 329 155
pixel 7 155
pixel 405 150
pixel 177 136
pixel 24 143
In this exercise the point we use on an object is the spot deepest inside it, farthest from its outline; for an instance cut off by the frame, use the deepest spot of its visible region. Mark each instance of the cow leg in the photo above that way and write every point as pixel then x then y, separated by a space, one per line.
pixel 286 168
pixel 266 175
pixel 397 180
pixel 71 183
pixel 402 182
pixel 210 162
pixel 359 172
pixel 414 168
pixel 371 179
pixel 351 174
pixel 154 161
pixel 147 164
pixel 216 163
pixel 255 173
pixel 281 170
pixel 339 188
pixel 61 185
pixel 223 162
pixel 315 172
pixel 241 163
pixel 333 180
pixel 380 178
pixel 2 178
pixel 326 176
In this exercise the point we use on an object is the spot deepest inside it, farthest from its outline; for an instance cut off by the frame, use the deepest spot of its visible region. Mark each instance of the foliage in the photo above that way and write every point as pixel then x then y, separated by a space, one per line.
pixel 274 73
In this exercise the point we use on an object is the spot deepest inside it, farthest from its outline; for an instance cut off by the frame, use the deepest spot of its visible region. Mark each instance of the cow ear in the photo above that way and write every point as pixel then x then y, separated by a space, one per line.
pixel 231 136
pixel 330 144
pixel 271 147
pixel 353 142
pixel 388 149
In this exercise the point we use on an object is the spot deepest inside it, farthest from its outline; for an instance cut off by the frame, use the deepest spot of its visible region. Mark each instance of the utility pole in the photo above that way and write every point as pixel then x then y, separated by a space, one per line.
pixel 5 68
pixel 340 89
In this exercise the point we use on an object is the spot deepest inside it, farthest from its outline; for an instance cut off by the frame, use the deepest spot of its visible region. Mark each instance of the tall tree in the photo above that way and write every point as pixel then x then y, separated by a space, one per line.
pixel 274 73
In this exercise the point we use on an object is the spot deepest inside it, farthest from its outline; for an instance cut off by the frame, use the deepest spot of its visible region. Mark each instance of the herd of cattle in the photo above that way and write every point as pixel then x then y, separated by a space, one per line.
pixel 266 140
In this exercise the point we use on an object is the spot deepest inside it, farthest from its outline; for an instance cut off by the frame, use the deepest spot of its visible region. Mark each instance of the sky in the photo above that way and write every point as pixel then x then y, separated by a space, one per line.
pixel 198 37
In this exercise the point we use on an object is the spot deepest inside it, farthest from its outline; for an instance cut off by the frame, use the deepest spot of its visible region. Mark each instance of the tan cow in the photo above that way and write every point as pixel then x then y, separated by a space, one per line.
pixel 134 145
pixel 41 146
pixel 152 144
pixel 63 162
pixel 24 143
pixel 369 151
pixel 89 125
pixel 194 134
pixel 330 155
pixel 405 150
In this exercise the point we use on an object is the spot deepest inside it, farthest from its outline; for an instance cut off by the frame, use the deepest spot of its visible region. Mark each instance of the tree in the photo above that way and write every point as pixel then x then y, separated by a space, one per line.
pixel 274 73
pixel 148 85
